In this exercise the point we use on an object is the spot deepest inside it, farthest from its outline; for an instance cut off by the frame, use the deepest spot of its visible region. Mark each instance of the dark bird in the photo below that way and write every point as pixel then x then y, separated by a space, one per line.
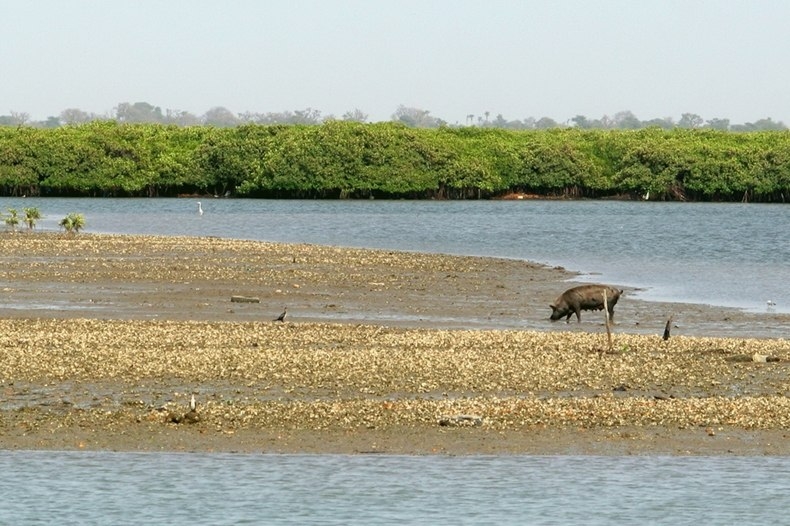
pixel 282 316
pixel 667 328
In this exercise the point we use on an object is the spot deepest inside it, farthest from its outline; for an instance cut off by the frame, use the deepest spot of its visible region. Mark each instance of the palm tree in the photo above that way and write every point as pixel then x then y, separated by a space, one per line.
pixel 73 223
pixel 31 216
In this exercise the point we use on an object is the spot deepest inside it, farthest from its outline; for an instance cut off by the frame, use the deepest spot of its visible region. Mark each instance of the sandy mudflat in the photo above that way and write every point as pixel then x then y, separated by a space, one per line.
pixel 105 339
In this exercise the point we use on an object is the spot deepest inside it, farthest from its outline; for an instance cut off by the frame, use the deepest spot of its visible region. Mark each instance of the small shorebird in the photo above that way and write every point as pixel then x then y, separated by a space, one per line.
pixel 282 316
pixel 191 416
pixel 200 208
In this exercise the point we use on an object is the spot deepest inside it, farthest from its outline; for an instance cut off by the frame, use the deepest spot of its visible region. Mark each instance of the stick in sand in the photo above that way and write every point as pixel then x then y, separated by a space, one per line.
pixel 668 327
pixel 606 318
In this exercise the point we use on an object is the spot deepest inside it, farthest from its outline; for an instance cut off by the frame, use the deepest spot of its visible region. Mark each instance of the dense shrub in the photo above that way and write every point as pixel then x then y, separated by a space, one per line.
pixel 345 159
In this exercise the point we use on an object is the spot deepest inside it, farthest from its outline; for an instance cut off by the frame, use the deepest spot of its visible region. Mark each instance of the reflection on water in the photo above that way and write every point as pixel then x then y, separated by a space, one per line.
pixel 162 488
pixel 726 254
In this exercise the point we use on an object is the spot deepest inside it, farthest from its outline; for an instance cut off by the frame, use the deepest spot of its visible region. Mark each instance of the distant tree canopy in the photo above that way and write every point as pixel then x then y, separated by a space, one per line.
pixel 219 116
pixel 346 159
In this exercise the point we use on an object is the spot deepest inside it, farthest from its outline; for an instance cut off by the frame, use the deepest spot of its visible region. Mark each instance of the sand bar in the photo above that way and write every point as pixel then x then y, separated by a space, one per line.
pixel 106 339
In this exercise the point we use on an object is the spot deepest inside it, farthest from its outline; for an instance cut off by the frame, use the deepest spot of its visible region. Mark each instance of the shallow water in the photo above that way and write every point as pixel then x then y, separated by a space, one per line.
pixel 723 254
pixel 167 488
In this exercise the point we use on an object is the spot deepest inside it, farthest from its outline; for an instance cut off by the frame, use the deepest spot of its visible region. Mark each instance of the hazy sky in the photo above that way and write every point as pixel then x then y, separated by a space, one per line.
pixel 521 58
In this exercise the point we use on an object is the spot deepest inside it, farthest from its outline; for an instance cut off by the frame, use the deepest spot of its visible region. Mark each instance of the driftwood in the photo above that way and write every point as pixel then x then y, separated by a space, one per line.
pixel 244 299
pixel 756 357
pixel 461 420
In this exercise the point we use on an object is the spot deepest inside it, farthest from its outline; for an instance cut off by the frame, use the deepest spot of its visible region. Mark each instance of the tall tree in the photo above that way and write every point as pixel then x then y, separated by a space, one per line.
pixel 306 116
pixel 769 124
pixel 416 118
pixel 75 116
pixel 665 124
pixel 15 118
pixel 221 117
pixel 582 122
pixel 544 123
pixel 51 122
pixel 181 118
pixel 355 115
pixel 626 120
pixel 690 120
pixel 719 124
pixel 138 112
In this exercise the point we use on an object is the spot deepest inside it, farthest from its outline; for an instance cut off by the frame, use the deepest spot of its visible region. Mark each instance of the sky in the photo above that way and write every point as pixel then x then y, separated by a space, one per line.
pixel 453 58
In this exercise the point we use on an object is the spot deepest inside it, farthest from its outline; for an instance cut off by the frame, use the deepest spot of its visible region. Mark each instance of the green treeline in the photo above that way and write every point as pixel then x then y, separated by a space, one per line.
pixel 339 159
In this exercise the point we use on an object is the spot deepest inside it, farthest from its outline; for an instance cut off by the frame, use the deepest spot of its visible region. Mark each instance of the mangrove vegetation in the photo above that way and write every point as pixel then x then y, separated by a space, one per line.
pixel 341 159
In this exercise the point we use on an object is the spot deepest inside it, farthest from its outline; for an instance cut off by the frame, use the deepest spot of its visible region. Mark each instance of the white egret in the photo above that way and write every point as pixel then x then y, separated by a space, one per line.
pixel 200 208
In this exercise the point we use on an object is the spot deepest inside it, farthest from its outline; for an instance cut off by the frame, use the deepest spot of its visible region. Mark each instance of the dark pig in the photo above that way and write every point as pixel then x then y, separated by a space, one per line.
pixel 584 297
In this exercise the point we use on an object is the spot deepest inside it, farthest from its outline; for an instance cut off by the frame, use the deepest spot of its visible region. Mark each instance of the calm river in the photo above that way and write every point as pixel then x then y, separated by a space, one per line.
pixel 195 488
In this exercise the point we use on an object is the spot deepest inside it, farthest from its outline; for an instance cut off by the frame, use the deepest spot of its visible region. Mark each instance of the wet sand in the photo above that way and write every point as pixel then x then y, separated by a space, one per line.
pixel 107 338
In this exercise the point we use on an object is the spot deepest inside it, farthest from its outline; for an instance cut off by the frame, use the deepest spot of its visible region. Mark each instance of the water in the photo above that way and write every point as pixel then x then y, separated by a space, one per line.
pixel 164 488
pixel 723 254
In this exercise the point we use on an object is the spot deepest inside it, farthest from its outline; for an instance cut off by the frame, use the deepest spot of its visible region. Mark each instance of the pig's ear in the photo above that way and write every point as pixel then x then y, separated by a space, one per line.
pixel 553 307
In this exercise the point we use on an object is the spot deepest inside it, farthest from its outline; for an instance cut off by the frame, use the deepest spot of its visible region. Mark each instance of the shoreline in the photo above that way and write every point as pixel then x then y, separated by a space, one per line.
pixel 105 338
pixel 386 287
